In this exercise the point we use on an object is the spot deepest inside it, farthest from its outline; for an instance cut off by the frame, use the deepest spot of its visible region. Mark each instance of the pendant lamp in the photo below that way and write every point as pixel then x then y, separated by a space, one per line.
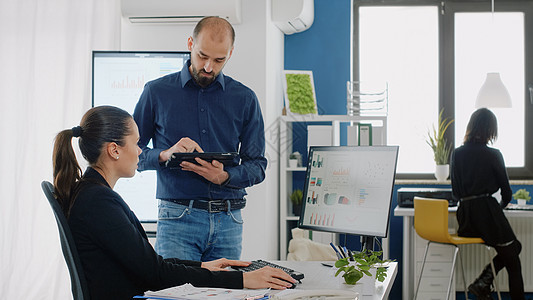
pixel 493 92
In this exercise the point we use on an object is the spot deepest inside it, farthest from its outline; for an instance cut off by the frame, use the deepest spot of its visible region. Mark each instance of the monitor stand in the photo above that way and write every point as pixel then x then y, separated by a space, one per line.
pixel 367 243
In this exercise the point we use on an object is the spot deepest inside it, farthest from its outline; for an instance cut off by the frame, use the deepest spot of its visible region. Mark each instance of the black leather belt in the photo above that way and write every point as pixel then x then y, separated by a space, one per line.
pixel 475 197
pixel 212 206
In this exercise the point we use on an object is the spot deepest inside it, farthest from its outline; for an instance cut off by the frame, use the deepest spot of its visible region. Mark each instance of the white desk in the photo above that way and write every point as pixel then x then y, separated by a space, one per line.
pixel 520 220
pixel 318 277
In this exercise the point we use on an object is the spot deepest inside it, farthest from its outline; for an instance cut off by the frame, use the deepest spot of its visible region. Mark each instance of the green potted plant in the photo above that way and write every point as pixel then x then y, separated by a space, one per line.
pixel 362 265
pixel 296 200
pixel 294 159
pixel 521 196
pixel 440 147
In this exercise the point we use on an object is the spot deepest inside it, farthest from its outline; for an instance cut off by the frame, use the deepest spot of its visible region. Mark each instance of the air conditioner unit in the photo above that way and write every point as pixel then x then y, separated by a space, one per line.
pixel 180 11
pixel 292 16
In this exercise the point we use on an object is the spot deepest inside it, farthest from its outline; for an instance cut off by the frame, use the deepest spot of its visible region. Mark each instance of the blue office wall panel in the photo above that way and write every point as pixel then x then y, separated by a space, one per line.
pixel 324 49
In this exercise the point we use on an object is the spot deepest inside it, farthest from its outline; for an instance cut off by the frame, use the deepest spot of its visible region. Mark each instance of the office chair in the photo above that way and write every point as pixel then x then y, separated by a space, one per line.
pixel 80 289
pixel 431 223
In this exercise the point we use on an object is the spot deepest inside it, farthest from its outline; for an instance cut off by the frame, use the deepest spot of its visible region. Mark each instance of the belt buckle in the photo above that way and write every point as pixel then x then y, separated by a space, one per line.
pixel 216 207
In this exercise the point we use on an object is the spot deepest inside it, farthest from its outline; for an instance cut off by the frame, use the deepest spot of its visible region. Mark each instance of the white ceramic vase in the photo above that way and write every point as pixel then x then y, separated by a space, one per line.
pixel 442 172
pixel 293 163
pixel 368 283
pixel 521 202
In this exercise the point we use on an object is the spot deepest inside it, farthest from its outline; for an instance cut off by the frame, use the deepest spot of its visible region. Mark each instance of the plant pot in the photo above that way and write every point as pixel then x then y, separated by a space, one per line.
pixel 296 209
pixel 521 202
pixel 293 163
pixel 442 172
pixel 368 283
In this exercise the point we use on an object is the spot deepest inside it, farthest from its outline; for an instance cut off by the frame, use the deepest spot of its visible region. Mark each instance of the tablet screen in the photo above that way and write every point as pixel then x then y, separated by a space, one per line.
pixel 225 158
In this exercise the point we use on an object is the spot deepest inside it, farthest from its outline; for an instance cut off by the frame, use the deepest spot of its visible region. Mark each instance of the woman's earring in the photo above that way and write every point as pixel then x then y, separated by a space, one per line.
pixel 117 157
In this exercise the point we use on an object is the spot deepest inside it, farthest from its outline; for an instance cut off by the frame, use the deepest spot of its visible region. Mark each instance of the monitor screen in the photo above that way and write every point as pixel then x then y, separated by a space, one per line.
pixel 348 189
pixel 118 80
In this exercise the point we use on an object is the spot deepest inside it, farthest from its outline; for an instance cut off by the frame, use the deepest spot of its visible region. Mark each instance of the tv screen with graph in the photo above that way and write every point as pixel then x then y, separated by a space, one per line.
pixel 348 189
pixel 118 80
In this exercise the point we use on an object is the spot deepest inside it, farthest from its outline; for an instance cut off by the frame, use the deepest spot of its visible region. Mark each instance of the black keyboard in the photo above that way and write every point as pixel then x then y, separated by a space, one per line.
pixel 258 264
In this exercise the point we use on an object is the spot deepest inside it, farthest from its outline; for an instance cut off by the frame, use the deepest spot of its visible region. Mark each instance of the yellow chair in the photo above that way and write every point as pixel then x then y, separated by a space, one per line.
pixel 431 223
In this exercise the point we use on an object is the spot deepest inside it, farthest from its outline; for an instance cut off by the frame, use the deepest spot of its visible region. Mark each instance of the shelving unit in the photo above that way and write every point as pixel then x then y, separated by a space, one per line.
pixel 287 219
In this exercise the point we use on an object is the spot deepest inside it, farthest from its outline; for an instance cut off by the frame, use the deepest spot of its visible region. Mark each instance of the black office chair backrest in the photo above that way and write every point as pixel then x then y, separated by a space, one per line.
pixel 77 277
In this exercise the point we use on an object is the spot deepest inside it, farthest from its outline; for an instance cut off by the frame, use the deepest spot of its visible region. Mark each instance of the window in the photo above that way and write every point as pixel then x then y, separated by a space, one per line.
pixel 491 43
pixel 435 55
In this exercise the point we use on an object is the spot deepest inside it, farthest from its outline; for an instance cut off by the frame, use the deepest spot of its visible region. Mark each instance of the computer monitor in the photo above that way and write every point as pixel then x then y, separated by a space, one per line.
pixel 348 189
pixel 118 80
pixel 119 76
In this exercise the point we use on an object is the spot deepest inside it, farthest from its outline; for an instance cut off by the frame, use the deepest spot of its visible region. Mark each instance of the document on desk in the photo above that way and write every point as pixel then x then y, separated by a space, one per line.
pixel 189 292
pixel 314 294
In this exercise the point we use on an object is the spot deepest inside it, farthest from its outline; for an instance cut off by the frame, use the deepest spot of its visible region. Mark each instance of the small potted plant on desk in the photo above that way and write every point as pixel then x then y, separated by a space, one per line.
pixel 522 197
pixel 361 265
pixel 296 200
pixel 440 147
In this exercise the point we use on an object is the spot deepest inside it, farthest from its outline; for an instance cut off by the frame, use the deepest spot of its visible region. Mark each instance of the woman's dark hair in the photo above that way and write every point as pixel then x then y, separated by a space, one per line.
pixel 482 127
pixel 99 125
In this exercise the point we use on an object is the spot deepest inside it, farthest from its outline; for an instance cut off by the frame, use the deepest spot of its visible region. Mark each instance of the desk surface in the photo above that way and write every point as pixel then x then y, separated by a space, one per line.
pixel 318 276
pixel 410 212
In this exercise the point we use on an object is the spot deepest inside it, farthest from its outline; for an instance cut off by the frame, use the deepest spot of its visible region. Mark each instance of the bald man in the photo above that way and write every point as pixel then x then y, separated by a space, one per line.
pixel 201 109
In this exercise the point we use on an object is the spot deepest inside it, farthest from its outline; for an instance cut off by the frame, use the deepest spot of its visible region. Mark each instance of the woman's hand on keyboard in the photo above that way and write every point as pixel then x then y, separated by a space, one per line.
pixel 267 277
pixel 222 263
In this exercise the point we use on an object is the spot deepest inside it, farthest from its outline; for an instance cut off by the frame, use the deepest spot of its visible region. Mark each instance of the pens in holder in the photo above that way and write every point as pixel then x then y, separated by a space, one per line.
pixel 351 255
pixel 346 251
pixel 342 252
pixel 339 256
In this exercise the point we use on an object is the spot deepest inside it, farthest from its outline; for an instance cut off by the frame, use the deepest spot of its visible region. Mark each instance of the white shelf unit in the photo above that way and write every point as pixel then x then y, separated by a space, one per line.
pixel 285 173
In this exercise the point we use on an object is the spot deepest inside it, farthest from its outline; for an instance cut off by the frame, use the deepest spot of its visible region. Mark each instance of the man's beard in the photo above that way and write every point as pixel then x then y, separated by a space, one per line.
pixel 202 81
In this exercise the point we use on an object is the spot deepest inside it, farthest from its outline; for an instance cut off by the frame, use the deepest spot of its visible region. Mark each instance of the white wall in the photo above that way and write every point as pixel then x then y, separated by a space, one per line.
pixel 257 62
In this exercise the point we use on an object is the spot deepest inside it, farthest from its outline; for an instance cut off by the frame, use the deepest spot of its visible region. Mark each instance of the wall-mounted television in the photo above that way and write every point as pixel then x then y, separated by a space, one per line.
pixel 118 80
pixel 348 189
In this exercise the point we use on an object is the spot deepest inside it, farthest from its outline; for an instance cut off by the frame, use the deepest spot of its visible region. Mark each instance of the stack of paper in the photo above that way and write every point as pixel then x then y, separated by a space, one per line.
pixel 315 294
pixel 189 292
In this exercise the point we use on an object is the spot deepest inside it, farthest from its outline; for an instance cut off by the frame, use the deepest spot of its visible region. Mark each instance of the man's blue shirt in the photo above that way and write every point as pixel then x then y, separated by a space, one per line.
pixel 223 117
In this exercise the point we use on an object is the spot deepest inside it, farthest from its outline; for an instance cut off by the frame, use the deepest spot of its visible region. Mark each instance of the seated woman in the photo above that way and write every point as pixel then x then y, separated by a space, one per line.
pixel 117 258
pixel 477 172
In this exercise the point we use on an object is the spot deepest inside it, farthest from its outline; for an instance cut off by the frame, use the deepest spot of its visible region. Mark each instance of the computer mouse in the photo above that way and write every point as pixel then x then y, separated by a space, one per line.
pixel 293 285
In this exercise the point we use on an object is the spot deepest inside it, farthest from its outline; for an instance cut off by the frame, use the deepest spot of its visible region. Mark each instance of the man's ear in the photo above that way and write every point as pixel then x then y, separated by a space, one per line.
pixel 230 52
pixel 189 43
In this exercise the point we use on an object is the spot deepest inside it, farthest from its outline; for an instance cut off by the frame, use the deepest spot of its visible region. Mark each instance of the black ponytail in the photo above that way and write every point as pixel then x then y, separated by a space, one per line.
pixel 99 125
pixel 67 171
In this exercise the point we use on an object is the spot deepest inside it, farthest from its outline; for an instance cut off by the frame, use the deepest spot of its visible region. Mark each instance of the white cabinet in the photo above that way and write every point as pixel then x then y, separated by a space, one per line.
pixel 436 276
pixel 287 219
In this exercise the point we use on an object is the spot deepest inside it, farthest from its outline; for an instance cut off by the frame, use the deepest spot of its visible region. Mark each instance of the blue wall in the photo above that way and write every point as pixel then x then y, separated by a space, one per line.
pixel 324 49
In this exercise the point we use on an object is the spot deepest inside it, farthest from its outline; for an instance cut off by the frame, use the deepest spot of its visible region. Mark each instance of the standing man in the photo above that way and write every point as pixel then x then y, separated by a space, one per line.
pixel 201 109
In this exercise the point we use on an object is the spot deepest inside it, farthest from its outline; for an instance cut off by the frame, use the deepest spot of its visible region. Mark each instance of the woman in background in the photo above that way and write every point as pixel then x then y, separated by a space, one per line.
pixel 477 172
pixel 117 258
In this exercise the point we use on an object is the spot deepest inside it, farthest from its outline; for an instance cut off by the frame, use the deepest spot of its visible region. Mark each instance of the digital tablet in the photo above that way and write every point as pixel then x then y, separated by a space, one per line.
pixel 225 158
